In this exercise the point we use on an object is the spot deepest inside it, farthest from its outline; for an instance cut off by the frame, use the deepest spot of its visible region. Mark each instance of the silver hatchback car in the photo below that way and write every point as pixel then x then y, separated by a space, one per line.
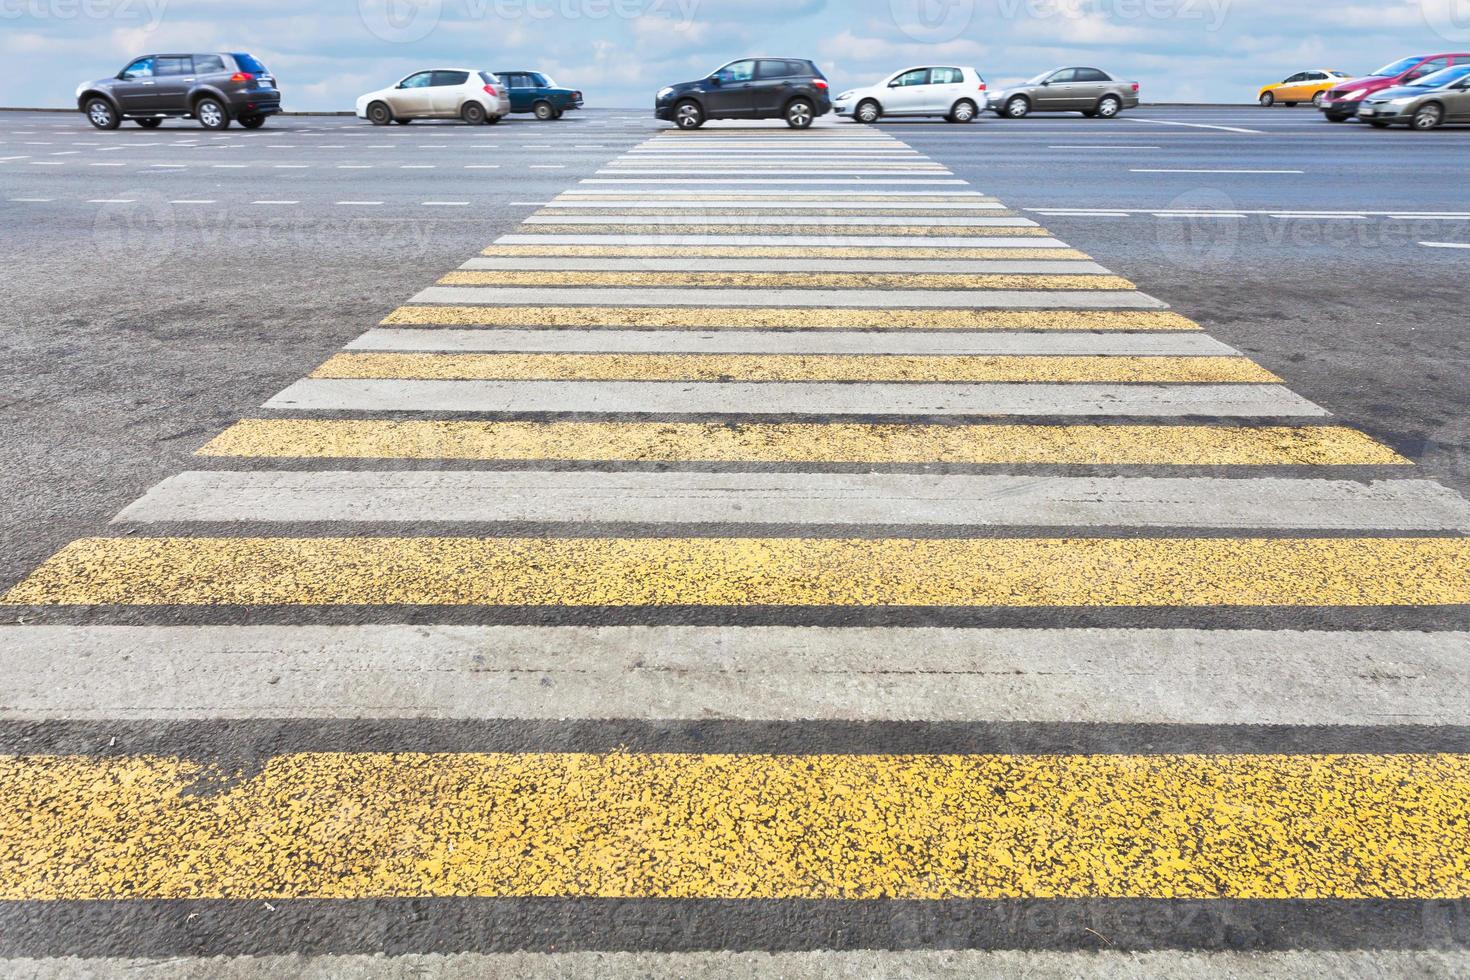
pixel 1090 91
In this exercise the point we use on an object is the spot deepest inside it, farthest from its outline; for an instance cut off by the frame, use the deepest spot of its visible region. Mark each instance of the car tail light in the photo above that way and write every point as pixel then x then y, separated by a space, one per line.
pixel 1135 86
pixel 490 90
pixel 982 87
pixel 820 83
pixel 242 76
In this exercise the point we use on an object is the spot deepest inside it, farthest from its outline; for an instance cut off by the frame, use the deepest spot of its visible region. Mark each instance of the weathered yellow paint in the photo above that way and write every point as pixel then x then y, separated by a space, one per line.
pixel 839 442
pixel 796 367
pixel 782 280
pixel 1022 572
pixel 815 228
pixel 754 317
pixel 955 252
pixel 684 826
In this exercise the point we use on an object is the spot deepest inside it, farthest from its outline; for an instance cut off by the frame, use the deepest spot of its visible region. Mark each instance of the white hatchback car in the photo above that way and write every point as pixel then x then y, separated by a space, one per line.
pixel 958 94
pixel 441 93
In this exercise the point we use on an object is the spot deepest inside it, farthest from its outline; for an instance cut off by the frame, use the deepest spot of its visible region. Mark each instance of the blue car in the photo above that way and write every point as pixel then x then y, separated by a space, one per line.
pixel 531 91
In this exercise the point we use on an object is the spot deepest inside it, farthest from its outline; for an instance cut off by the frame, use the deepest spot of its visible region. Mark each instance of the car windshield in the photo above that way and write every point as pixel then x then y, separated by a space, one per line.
pixel 1397 67
pixel 249 64
pixel 542 81
pixel 1038 79
pixel 1445 76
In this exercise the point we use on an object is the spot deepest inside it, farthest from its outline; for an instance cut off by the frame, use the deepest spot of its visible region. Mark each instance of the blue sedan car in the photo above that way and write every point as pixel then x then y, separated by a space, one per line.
pixel 531 91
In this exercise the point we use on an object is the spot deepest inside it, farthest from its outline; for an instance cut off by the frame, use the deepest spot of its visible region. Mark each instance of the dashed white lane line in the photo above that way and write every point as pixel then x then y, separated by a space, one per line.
pixel 1170 170
pixel 548 166
pixel 773 179
pixel 1445 244
pixel 482 166
pixel 275 202
pixel 354 166
pixel 1101 146
pixel 445 204
pixel 31 200
pixel 118 164
pixel 193 201
pixel 1225 129
pixel 365 204
pixel 416 166
pixel 113 200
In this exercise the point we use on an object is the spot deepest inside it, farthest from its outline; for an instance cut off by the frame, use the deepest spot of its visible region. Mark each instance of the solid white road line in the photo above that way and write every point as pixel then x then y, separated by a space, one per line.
pixel 815 241
pixel 1168 170
pixel 990 299
pixel 793 398
pixel 1445 244
pixel 1225 129
pixel 776 204
pixel 656 220
pixel 774 180
pixel 613 264
pixel 1086 676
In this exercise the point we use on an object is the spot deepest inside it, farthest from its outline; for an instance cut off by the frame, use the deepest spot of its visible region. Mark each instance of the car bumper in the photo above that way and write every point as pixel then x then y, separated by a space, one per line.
pixel 1342 108
pixel 1385 113
pixel 664 111
pixel 254 103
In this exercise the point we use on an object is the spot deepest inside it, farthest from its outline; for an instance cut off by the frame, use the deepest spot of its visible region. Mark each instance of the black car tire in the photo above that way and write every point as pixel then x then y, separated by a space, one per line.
pixel 963 111
pixel 379 114
pixel 252 122
pixel 688 115
pixel 1017 107
pixel 473 113
pixel 101 114
pixel 1267 100
pixel 799 113
pixel 1109 106
pixel 867 111
pixel 149 123
pixel 211 114
pixel 1428 117
pixel 543 110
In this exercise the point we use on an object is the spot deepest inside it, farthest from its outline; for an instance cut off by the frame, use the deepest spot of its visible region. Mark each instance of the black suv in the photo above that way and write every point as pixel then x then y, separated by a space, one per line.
pixel 751 88
pixel 213 88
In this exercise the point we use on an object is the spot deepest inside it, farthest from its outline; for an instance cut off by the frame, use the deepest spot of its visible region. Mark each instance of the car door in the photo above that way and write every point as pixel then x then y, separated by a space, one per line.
pixel 173 77
pixel 906 92
pixel 446 92
pixel 1055 92
pixel 946 85
pixel 522 92
pixel 1088 86
pixel 772 86
pixel 729 93
pixel 1290 90
pixel 412 97
pixel 1457 101
pixel 135 85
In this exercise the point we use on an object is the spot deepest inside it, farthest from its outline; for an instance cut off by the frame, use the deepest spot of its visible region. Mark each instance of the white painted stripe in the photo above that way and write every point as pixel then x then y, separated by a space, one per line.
pixel 804 398
pixel 816 241
pixel 1167 170
pixel 1445 244
pixel 778 220
pixel 988 299
pixel 802 498
pixel 783 174
pixel 952 342
pixel 773 180
pixel 1225 129
pixel 961 266
pixel 1086 676
pixel 778 204
pixel 784 193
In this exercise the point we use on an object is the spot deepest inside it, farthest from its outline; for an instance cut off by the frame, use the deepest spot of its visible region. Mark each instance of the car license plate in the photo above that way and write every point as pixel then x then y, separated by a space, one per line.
pixel 1367 110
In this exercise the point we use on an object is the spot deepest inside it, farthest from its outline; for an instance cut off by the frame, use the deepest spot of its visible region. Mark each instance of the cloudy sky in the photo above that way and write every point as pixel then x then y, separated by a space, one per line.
pixel 620 51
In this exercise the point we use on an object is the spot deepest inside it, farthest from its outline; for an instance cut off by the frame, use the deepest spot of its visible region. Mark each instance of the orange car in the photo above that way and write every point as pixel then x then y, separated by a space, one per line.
pixel 1304 86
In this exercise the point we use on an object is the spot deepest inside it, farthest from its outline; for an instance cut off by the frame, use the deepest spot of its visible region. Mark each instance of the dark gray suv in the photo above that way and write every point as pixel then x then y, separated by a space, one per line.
pixel 212 88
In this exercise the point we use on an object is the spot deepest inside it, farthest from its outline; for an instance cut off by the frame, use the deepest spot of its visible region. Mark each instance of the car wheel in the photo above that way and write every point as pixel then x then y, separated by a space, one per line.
pixel 868 111
pixel 379 114
pixel 543 111
pixel 211 114
pixel 403 122
pixel 1267 100
pixel 962 112
pixel 1317 99
pixel 101 114
pixel 149 123
pixel 1018 106
pixel 252 122
pixel 1428 117
pixel 799 114
pixel 473 113
pixel 688 115
pixel 1108 106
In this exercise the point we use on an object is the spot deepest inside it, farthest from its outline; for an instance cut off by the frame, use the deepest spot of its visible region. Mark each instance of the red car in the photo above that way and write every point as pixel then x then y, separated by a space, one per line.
pixel 1341 102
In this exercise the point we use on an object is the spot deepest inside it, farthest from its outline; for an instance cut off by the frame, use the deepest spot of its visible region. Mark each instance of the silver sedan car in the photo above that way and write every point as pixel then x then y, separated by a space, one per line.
pixel 1090 91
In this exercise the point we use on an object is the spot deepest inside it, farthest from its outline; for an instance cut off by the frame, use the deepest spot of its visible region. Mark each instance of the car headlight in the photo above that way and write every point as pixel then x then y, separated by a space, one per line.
pixel 1357 94
pixel 664 92
pixel 1404 101
pixel 845 96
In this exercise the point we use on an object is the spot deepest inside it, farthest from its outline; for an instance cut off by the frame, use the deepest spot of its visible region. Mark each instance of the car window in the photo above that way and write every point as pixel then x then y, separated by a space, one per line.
pixel 421 80
pixel 945 76
pixel 1396 67
pixel 767 68
pixel 169 65
pixel 919 76
pixel 1091 75
pixel 250 64
pixel 1428 68
pixel 1299 76
pixel 737 71
pixel 450 78
pixel 1065 75
pixel 539 80
pixel 520 79
pixel 1313 76
pixel 1446 77
pixel 142 68
pixel 204 64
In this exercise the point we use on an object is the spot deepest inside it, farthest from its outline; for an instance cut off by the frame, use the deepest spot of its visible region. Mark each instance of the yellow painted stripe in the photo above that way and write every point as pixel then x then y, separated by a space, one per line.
pixel 1024 572
pixel 682 826
pixel 841 442
pixel 794 367
pixel 781 252
pixel 755 228
pixel 782 280
pixel 751 318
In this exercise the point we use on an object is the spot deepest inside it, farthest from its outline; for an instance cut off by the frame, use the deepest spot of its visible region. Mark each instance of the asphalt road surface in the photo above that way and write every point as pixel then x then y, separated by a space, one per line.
pixel 579 547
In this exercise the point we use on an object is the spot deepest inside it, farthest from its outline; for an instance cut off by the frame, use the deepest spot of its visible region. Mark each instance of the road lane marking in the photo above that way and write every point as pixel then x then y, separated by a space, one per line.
pixel 872 298
pixel 1166 170
pixel 304 825
pixel 950 225
pixel 1013 238
pixel 1445 244
pixel 804 263
pixel 1226 129
pixel 834 442
pixel 795 398
pixel 794 368
pixel 755 317
pixel 790 280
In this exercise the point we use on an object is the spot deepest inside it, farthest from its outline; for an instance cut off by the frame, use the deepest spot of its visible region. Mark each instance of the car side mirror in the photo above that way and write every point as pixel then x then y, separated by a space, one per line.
pixel 1047 82
pixel 714 80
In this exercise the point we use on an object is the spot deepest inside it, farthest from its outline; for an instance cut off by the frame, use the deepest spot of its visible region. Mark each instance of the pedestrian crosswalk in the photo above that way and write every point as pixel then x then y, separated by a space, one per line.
pixel 717 542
